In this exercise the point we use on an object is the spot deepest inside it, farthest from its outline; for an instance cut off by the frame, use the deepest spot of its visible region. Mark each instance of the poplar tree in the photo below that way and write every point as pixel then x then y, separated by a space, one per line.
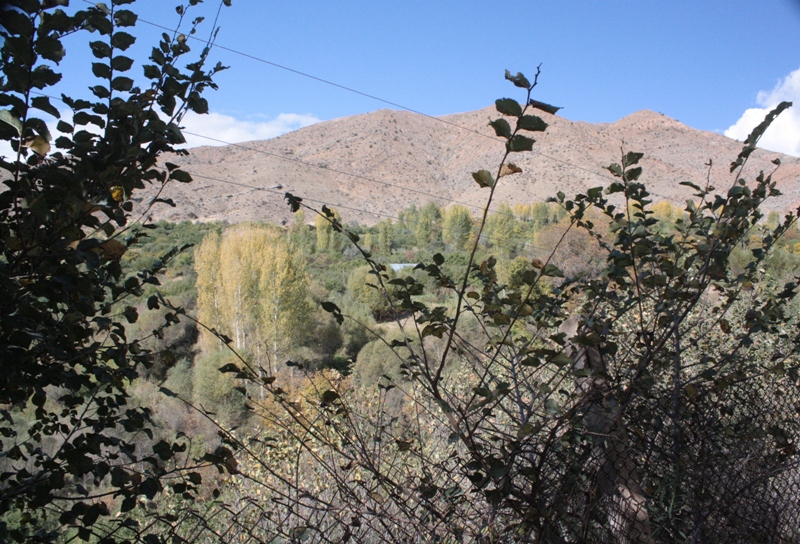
pixel 252 286
pixel 501 230
pixel 385 235
pixel 456 226
pixel 429 225
pixel 283 297
pixel 206 263
pixel 327 240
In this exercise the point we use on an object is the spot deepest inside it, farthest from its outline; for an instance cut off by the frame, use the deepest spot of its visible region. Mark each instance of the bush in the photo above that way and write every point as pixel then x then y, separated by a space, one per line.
pixel 85 457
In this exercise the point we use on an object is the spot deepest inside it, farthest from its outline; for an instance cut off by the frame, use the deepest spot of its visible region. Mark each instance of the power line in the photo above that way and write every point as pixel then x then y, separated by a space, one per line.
pixel 374 180
pixel 493 239
pixel 336 171
pixel 382 100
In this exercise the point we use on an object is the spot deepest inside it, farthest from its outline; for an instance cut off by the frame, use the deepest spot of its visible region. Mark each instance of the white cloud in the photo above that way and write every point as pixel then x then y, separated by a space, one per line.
pixel 232 130
pixel 219 126
pixel 784 133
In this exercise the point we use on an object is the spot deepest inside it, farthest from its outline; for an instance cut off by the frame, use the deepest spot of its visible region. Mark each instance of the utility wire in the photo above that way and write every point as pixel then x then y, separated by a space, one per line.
pixel 493 239
pixel 384 101
pixel 374 180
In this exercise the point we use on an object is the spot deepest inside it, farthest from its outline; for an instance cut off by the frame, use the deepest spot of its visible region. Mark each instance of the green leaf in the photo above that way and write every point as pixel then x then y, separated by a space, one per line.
pixel 633 174
pixel 122 40
pixel 181 176
pixel 163 450
pixel 121 63
pixel 755 135
pixel 124 17
pixel 42 76
pixel 438 259
pixel 532 123
pixel 177 135
pixel 7 117
pixel 101 70
pixel 501 128
pixel 128 504
pixel 544 107
pixel 48 47
pixel 328 397
pixel 552 271
pixel 594 193
pixel 151 71
pixel 508 106
pixel 122 83
pixel 131 314
pixel 519 80
pixel 631 158
pixel 100 91
pixel 520 143
pixel 552 406
pixel 101 50
pixel 484 178
pixel 43 103
pixel 692 185
pixel 615 169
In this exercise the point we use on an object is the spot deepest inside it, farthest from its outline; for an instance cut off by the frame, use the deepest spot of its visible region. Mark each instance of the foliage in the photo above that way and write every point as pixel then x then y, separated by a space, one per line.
pixel 252 287
pixel 647 400
pixel 365 288
pixel 70 464
pixel 457 226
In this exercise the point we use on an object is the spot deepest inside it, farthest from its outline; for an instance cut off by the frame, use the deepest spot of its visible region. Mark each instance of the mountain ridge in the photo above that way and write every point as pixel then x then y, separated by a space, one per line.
pixel 373 165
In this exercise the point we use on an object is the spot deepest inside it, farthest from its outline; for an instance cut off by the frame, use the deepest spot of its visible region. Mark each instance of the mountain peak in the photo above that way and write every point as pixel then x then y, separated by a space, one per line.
pixel 647 120
pixel 372 166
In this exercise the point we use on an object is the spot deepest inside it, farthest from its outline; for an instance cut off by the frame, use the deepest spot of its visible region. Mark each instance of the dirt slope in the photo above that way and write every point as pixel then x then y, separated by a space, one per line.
pixel 373 165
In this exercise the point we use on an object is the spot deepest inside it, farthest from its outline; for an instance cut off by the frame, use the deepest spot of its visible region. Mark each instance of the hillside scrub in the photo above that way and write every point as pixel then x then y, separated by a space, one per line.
pixel 648 398
pixel 600 368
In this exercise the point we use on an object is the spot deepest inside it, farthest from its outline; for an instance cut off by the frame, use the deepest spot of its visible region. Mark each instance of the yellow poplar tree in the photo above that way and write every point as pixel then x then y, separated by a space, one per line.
pixel 206 263
pixel 457 226
pixel 253 287
pixel 283 292
pixel 327 238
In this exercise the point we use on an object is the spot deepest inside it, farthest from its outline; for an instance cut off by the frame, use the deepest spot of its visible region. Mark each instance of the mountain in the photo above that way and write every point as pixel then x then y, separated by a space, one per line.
pixel 371 166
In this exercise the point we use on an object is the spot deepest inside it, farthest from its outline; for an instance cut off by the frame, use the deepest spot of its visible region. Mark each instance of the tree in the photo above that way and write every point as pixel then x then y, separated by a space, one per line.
pixel 75 454
pixel 457 226
pixel 650 402
pixel 501 231
pixel 428 228
pixel 364 286
pixel 385 237
pixel 252 286
pixel 327 240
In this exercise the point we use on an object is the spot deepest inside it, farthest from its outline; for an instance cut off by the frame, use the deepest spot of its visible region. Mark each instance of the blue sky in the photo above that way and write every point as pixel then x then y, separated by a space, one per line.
pixel 712 64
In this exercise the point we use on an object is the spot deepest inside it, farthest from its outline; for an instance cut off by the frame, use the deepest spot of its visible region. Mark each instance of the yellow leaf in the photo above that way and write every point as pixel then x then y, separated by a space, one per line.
pixel 377 497
pixel 39 145
pixel 510 168
pixel 117 193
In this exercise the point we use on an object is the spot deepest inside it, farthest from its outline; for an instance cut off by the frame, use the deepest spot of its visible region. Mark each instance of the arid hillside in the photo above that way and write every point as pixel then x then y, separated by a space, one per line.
pixel 371 166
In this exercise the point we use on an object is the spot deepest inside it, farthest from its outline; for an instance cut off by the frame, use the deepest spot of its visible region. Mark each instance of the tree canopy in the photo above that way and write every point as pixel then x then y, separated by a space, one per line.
pixel 69 461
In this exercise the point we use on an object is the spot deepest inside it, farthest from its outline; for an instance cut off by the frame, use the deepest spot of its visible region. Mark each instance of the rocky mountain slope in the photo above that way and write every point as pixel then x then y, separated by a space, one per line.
pixel 373 165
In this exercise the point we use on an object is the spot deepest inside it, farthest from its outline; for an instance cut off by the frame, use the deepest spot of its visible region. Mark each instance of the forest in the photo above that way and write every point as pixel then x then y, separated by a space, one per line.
pixel 599 367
